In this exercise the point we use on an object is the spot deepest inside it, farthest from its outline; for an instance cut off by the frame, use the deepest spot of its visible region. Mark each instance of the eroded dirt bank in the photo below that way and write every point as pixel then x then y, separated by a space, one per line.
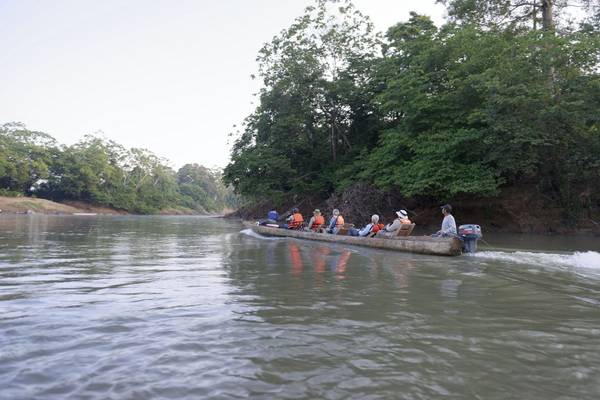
pixel 515 210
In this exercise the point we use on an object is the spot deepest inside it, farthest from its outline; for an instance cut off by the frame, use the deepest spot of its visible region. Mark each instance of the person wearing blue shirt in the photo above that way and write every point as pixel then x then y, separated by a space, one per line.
pixel 272 217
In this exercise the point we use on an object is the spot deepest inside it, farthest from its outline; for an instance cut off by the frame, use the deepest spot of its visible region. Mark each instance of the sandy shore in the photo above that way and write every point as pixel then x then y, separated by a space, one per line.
pixel 31 205
pixel 24 205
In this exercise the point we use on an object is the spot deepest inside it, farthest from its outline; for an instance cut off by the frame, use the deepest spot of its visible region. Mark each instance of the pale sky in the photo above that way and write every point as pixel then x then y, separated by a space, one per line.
pixel 172 76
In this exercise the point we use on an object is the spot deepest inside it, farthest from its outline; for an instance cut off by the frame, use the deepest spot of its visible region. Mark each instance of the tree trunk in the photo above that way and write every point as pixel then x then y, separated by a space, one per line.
pixel 547 18
pixel 333 138
pixel 548 27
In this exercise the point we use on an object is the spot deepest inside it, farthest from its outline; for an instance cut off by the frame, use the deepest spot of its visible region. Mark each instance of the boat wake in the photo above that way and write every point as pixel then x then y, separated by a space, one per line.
pixel 253 234
pixel 586 259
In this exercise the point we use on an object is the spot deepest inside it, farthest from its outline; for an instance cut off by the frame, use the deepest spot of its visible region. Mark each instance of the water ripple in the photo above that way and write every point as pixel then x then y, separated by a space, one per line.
pixel 151 307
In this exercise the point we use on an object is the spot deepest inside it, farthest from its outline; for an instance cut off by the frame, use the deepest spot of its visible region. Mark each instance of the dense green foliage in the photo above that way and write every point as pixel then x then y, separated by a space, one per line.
pixel 315 108
pixel 105 173
pixel 25 157
pixel 466 108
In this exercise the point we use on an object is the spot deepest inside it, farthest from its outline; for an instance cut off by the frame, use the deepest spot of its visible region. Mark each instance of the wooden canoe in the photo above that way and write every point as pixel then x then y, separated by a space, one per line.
pixel 410 244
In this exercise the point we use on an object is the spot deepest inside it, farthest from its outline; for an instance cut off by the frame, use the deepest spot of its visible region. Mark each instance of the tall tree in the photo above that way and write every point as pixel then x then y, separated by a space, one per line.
pixel 25 157
pixel 152 179
pixel 502 13
pixel 90 170
pixel 202 189
pixel 314 105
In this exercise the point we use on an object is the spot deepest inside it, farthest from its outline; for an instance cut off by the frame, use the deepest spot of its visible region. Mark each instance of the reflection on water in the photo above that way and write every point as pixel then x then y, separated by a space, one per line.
pixel 319 259
pixel 295 258
pixel 187 307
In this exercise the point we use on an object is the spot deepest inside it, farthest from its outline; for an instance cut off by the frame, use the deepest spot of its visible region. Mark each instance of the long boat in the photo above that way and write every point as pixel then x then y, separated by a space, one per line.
pixel 443 246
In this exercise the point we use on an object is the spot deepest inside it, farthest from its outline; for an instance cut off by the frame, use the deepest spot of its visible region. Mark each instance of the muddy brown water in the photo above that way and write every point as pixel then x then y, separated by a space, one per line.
pixel 191 307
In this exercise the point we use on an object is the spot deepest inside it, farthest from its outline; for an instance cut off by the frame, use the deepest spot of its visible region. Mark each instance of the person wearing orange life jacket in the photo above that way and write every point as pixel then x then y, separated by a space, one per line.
pixel 372 227
pixel 316 221
pixel 377 227
pixel 295 220
pixel 336 222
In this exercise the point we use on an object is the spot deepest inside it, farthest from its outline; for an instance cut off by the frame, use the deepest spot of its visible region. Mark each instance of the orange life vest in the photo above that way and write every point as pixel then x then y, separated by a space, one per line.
pixel 318 221
pixel 377 227
pixel 296 221
pixel 405 221
pixel 339 222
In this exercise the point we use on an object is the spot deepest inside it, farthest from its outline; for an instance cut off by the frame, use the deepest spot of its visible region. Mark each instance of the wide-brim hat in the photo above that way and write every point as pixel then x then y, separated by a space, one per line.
pixel 317 211
pixel 402 213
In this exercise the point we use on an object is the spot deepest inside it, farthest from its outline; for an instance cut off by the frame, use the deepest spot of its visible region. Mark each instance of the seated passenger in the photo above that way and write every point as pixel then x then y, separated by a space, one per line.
pixel 373 227
pixel 295 221
pixel 272 217
pixel 376 228
pixel 316 221
pixel 390 229
pixel 448 224
pixel 336 222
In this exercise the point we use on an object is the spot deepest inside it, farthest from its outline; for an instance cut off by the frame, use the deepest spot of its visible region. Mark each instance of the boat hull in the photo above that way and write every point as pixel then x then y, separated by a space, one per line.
pixel 410 244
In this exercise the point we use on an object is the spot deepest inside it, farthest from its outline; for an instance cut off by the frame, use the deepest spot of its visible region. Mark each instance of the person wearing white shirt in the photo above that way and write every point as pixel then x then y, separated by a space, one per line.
pixel 448 224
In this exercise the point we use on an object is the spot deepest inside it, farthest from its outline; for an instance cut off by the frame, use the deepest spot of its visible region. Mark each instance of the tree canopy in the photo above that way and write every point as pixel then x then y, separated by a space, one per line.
pixel 483 102
pixel 315 106
pixel 103 172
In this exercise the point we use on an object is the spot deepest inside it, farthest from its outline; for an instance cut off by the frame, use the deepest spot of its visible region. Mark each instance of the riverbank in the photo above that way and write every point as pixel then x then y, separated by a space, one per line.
pixel 514 210
pixel 32 205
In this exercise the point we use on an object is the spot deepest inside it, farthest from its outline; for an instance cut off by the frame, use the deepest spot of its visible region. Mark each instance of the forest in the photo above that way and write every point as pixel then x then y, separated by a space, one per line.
pixel 102 172
pixel 503 96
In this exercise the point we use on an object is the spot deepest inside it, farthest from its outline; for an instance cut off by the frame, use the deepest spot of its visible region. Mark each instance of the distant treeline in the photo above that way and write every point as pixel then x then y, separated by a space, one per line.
pixel 103 172
pixel 506 93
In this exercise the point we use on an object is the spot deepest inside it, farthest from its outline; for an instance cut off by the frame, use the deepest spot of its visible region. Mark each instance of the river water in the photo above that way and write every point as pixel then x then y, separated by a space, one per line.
pixel 194 307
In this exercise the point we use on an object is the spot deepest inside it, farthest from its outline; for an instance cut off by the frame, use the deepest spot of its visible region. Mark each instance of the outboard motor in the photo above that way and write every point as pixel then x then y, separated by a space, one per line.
pixel 469 235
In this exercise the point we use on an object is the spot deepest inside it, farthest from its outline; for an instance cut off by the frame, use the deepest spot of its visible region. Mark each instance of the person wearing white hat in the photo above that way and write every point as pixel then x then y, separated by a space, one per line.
pixel 403 216
pixel 316 222
pixel 390 229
